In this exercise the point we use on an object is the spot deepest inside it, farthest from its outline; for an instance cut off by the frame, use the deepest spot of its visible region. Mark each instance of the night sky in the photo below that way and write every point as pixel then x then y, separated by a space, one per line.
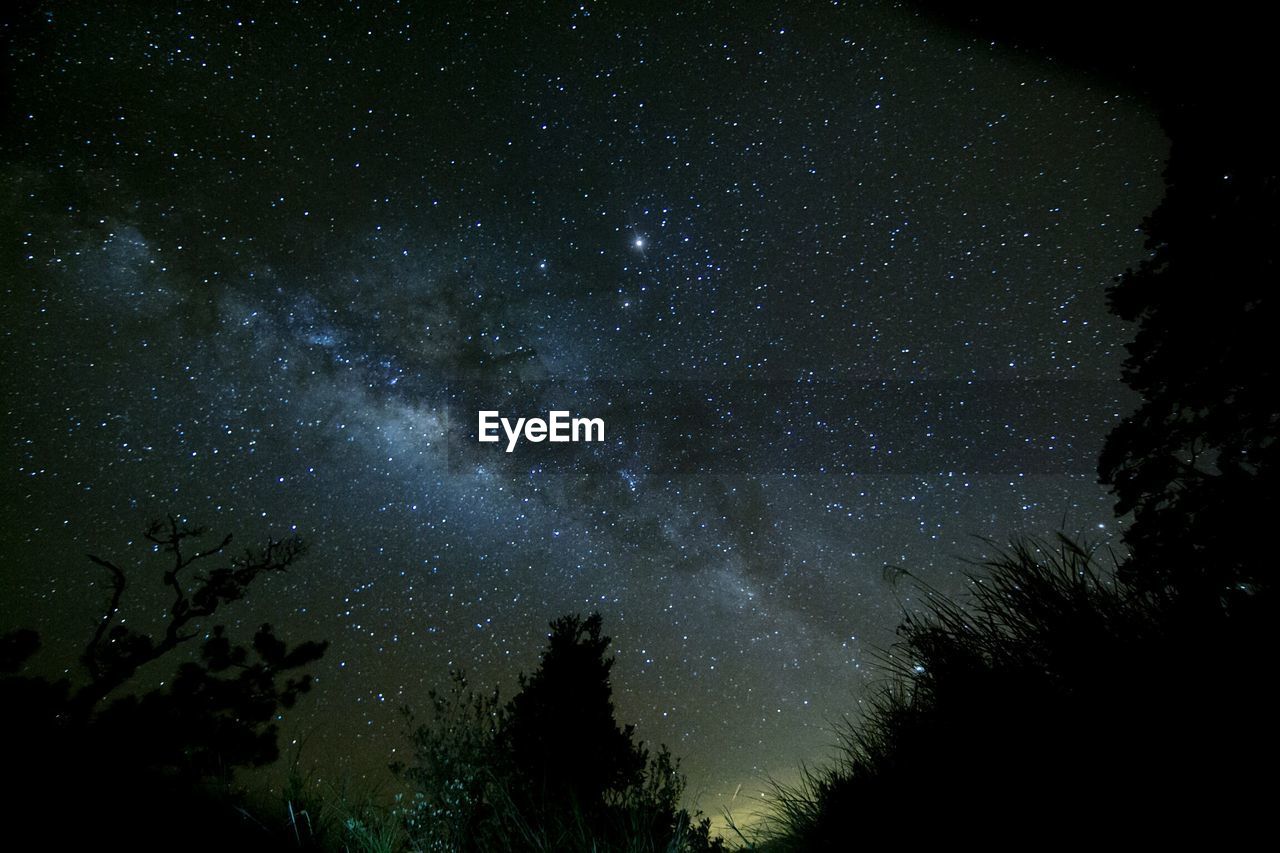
pixel 832 274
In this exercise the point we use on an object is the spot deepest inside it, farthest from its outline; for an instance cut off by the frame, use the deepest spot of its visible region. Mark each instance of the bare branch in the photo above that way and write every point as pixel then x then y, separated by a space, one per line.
pixel 211 590
pixel 118 584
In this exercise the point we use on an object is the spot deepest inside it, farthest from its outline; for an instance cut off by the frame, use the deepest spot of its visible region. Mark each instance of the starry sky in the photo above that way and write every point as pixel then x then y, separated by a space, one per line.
pixel 832 273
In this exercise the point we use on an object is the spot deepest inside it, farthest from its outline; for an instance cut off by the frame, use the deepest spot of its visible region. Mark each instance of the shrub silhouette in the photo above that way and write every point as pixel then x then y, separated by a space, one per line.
pixel 549 770
pixel 145 755
pixel 457 774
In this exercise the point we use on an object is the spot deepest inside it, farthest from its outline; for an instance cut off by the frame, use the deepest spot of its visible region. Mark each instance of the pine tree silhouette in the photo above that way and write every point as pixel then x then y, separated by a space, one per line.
pixel 566 747
pixel 550 770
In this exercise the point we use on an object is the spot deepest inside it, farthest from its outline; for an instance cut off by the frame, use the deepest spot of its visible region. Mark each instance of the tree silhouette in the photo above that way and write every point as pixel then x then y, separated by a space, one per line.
pixel 563 739
pixel 1197 463
pixel 551 769
pixel 216 712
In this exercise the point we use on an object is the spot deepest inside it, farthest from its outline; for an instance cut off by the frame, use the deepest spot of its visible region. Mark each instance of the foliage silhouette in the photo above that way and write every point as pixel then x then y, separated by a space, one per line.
pixel 456 771
pixel 1058 698
pixel 560 730
pixel 1198 464
pixel 154 751
pixel 551 770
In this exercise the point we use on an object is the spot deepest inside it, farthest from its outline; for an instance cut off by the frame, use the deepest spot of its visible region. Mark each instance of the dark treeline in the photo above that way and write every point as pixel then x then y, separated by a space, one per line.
pixel 155 768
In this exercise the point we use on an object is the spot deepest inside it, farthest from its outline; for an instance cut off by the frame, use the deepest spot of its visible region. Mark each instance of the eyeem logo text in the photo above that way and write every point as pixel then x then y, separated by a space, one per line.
pixel 558 427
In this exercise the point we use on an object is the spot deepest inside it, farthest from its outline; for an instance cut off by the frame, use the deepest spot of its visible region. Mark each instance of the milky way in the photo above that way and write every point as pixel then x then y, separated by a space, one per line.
pixel 832 275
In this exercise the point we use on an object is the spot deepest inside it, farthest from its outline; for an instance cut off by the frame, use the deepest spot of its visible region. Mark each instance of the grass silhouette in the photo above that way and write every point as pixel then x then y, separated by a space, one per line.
pixel 1058 696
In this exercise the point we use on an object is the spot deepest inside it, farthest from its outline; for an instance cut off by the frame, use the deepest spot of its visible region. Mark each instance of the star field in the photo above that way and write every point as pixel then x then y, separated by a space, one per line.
pixel 832 274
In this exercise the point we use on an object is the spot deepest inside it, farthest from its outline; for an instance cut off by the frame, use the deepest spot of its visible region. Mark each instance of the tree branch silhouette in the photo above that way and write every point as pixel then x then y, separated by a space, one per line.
pixel 115 653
